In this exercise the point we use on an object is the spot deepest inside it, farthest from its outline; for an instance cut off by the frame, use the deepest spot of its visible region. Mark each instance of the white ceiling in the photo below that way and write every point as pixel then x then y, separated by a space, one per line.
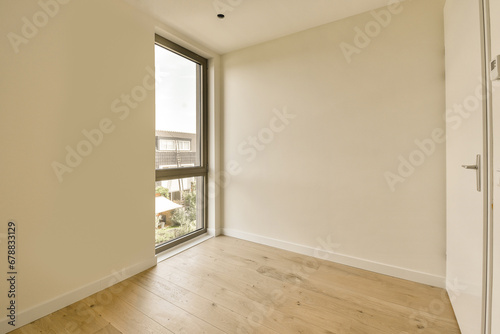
pixel 249 22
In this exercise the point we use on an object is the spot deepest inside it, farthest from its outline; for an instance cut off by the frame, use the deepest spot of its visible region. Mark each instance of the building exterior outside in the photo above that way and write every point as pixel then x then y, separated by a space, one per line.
pixel 176 199
pixel 175 149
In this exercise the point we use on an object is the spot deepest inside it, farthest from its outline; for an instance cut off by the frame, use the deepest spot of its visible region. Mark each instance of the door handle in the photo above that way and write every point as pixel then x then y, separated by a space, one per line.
pixel 476 167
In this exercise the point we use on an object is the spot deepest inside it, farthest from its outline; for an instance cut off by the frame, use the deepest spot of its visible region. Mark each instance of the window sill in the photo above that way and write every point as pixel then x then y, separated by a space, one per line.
pixel 182 247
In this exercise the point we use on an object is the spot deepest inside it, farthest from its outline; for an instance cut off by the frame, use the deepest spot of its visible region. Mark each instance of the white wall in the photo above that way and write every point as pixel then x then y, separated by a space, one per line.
pixel 95 227
pixel 322 177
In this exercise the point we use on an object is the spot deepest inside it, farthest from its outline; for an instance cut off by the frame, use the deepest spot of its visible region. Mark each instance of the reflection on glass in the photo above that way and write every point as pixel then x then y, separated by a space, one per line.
pixel 179 208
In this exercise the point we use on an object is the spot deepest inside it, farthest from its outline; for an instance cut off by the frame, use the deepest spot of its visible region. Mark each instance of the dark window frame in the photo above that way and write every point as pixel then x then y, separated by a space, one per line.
pixel 202 170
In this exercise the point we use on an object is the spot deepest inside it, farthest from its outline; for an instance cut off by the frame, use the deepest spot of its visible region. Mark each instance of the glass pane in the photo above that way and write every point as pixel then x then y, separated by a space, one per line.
pixel 179 208
pixel 177 110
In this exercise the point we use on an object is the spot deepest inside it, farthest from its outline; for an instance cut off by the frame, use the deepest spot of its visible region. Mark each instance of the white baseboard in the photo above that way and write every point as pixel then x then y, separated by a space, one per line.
pixel 36 312
pixel 214 231
pixel 381 268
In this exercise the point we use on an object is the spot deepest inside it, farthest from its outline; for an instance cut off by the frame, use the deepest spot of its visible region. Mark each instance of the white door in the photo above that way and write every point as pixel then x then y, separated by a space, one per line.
pixel 495 51
pixel 465 204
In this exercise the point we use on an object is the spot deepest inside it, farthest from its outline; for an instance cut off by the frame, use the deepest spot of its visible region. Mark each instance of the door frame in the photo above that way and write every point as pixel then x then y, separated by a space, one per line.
pixel 488 166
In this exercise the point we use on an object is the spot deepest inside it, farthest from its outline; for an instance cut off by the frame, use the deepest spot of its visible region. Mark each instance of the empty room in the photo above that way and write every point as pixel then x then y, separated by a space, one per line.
pixel 250 166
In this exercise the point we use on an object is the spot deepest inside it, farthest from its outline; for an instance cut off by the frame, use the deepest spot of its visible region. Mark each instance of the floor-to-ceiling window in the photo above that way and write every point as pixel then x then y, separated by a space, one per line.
pixel 181 144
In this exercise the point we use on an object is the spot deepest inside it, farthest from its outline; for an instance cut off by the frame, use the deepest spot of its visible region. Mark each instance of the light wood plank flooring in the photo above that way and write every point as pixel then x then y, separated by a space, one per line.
pixel 227 285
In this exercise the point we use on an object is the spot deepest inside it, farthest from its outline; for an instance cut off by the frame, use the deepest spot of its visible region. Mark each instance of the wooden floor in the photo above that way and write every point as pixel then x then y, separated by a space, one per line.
pixel 227 285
